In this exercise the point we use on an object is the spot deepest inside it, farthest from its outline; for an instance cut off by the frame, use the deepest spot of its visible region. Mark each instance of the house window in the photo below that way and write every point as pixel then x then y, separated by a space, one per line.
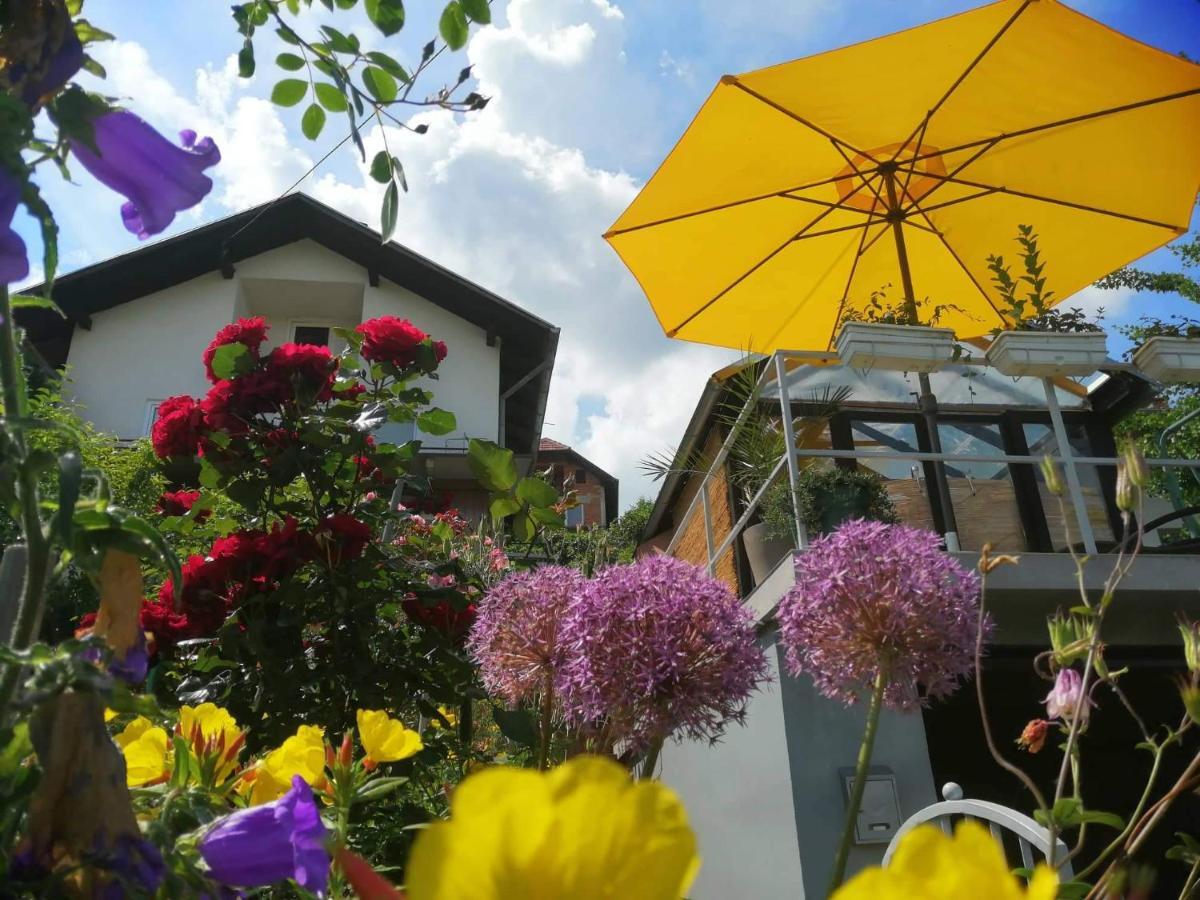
pixel 317 335
pixel 581 476
pixel 151 415
pixel 574 516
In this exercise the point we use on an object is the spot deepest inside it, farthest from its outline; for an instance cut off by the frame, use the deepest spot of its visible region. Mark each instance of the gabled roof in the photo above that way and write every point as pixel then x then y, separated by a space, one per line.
pixel 526 341
pixel 556 451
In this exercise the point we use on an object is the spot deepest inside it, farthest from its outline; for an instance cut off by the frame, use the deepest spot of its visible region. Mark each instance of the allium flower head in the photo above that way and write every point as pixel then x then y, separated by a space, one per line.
pixel 871 595
pixel 516 636
pixel 657 647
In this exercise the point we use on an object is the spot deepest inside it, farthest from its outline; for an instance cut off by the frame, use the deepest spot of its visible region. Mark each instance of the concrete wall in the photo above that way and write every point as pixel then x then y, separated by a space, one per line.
pixel 149 349
pixel 146 350
pixel 767 802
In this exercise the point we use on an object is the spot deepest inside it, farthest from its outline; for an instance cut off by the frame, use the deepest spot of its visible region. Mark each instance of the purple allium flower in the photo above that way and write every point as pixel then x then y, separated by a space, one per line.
pixel 158 178
pixel 14 264
pixel 657 647
pixel 870 595
pixel 265 844
pixel 1060 702
pixel 515 635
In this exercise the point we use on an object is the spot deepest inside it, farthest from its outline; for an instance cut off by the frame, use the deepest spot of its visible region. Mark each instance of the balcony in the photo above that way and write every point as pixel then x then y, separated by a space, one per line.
pixel 993 431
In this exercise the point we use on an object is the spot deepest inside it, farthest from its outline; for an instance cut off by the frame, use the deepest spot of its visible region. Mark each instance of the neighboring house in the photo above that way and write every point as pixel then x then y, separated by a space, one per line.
pixel 137 324
pixel 768 801
pixel 595 488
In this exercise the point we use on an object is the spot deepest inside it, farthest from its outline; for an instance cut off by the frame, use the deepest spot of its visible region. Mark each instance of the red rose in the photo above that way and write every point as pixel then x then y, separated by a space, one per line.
pixel 180 503
pixel 313 365
pixel 230 405
pixel 391 340
pixel 345 535
pixel 283 550
pixel 439 350
pixel 177 430
pixel 251 332
pixel 441 616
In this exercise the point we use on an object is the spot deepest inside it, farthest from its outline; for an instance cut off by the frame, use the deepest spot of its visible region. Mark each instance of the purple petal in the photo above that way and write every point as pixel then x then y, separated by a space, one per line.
pixel 14 263
pixel 158 178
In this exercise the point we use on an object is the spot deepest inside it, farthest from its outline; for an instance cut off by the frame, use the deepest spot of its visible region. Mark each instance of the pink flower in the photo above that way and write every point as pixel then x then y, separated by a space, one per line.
pixel 442 581
pixel 1065 696
pixel 871 596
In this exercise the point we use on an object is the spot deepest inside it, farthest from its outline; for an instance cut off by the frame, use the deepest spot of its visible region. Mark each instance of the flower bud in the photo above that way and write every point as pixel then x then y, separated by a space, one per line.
pixel 1135 462
pixel 1050 474
pixel 1033 736
pixel 1126 492
pixel 1190 695
pixel 1068 638
pixel 1190 632
pixel 346 751
pixel 329 759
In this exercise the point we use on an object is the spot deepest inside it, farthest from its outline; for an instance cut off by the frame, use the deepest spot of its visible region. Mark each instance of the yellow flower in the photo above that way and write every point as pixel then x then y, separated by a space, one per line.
pixel 212 731
pixel 109 715
pixel 934 866
pixel 144 746
pixel 386 739
pixel 302 754
pixel 448 714
pixel 584 830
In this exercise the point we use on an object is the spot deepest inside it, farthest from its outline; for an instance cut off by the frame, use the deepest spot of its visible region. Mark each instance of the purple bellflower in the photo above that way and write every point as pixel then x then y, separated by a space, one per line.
pixel 158 178
pixel 266 844
pixel 14 264
pixel 871 597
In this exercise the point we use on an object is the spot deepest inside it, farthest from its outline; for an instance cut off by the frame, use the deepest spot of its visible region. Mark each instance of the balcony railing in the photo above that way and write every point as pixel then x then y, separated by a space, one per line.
pixel 1086 508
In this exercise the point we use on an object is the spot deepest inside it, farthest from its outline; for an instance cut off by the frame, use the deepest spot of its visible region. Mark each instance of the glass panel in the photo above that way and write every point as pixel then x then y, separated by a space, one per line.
pixel 317 335
pixel 1041 441
pixel 903 478
pixel 985 501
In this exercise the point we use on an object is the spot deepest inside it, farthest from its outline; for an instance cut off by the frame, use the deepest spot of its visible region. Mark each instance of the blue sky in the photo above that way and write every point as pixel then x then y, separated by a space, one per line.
pixel 589 96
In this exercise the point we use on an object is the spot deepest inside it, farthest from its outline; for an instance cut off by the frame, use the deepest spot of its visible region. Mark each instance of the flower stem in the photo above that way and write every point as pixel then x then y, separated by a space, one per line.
pixel 650 763
pixel 860 781
pixel 16 403
pixel 544 730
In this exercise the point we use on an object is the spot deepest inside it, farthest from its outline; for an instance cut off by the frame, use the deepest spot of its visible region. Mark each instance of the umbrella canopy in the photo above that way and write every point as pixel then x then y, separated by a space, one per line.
pixel 789 196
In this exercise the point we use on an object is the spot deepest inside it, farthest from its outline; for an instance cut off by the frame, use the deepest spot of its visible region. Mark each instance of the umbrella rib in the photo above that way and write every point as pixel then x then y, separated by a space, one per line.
pixel 826 203
pixel 849 281
pixel 733 80
pixel 616 232
pixel 999 189
pixel 862 178
pixel 963 266
pixel 961 78
pixel 828 231
pixel 1071 120
pixel 970 159
pixel 871 243
pixel 929 209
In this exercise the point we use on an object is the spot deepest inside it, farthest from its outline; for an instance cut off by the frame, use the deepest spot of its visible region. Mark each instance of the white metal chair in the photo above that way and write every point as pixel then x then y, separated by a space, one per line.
pixel 1000 820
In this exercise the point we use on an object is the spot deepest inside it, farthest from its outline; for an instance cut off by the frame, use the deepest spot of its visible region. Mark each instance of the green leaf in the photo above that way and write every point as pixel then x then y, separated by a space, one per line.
pixel 477 10
pixel 386 15
pixel 1073 890
pixel 378 787
pixel 436 421
pixel 26 301
pixel 289 92
pixel 523 527
pixel 330 97
pixel 502 507
pixel 492 465
pixel 289 61
pixel 338 42
pixel 545 515
pixel 381 167
pixel 70 473
pixel 246 59
pixel 388 65
pixel 231 360
pixel 536 492
pixel 312 121
pixel 88 33
pixel 516 725
pixel 387 219
pixel 288 36
pixel 453 26
pixel 381 85
pixel 92 67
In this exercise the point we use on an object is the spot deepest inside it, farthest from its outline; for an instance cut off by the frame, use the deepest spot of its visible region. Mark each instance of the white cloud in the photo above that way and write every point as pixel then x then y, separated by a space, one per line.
pixel 1112 305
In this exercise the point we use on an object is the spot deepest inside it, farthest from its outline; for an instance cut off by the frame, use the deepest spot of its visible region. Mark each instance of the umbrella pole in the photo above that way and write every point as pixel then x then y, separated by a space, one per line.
pixel 926 402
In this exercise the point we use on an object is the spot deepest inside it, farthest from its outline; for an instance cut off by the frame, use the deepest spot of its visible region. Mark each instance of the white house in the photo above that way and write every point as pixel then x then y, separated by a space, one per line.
pixel 137 324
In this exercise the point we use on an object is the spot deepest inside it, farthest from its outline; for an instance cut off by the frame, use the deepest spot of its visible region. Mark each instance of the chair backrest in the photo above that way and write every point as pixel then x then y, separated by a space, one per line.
pixel 1001 821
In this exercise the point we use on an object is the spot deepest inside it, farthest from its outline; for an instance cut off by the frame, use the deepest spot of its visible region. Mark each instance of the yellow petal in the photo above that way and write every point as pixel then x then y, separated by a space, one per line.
pixel 584 831
pixel 386 739
pixel 302 754
pixel 146 757
pixel 133 731
pixel 212 719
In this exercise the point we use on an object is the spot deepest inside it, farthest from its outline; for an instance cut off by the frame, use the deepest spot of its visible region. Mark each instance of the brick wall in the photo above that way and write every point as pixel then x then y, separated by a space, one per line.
pixel 692 545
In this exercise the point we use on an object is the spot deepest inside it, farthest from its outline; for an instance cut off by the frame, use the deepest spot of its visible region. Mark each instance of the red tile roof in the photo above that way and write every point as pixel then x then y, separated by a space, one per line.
pixel 551 444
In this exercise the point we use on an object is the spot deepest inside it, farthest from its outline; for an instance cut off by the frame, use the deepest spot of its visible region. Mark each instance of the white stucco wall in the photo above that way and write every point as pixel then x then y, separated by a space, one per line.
pixel 149 349
pixel 146 350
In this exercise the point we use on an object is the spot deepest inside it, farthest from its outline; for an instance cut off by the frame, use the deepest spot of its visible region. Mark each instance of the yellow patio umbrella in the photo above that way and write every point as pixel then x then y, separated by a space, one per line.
pixel 905 161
